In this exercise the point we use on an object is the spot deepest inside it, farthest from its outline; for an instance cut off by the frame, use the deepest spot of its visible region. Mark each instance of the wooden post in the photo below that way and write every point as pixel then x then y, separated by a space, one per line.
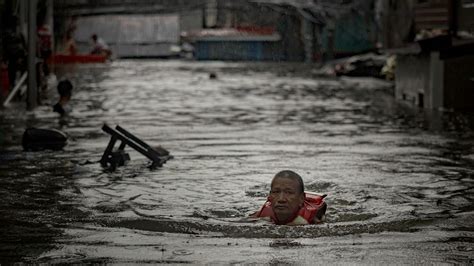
pixel 32 93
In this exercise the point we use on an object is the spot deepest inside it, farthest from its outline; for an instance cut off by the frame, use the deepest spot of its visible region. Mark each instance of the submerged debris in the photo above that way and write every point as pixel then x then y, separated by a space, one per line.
pixel 37 139
pixel 113 158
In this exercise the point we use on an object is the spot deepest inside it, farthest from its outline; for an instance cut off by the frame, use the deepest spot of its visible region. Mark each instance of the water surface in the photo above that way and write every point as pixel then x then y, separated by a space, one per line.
pixel 399 180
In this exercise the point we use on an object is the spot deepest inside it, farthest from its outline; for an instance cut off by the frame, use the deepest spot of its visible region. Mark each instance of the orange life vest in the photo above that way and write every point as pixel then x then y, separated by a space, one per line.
pixel 313 204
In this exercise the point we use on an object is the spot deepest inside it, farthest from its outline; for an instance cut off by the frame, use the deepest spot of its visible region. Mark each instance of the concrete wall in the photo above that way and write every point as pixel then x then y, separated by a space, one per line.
pixel 427 81
pixel 412 77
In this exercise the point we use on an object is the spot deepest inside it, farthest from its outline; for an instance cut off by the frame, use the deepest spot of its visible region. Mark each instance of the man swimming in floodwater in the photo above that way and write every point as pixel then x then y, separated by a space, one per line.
pixel 289 204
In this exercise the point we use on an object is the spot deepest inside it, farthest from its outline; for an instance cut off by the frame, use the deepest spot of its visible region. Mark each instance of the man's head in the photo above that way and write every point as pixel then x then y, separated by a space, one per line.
pixel 286 195
pixel 94 37
pixel 65 89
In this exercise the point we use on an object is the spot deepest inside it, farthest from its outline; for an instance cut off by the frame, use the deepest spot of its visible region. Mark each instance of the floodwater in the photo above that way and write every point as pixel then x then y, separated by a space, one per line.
pixel 399 180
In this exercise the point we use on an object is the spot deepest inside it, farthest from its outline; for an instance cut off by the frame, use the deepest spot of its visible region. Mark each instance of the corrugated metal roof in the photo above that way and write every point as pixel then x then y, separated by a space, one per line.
pixel 295 3
pixel 232 34
pixel 319 10
pixel 433 15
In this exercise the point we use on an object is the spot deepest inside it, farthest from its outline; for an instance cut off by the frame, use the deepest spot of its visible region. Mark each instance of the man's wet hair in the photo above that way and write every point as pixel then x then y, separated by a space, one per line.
pixel 65 88
pixel 290 175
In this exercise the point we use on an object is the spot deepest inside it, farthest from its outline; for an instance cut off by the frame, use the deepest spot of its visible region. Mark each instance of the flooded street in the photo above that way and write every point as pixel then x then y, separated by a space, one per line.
pixel 399 181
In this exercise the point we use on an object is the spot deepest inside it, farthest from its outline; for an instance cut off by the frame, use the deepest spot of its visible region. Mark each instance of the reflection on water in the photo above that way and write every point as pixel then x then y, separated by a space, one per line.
pixel 385 167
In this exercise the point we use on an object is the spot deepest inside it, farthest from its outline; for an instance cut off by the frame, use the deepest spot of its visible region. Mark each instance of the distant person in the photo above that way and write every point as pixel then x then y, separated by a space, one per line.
pixel 70 47
pixel 100 47
pixel 44 52
pixel 45 46
pixel 289 204
pixel 65 93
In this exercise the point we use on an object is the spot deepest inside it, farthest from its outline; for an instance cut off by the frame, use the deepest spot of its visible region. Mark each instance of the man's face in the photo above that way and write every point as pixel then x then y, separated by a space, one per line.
pixel 286 198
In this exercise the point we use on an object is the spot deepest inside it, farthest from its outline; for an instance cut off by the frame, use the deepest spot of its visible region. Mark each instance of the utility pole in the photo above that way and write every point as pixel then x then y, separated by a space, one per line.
pixel 50 21
pixel 308 39
pixel 331 40
pixel 32 92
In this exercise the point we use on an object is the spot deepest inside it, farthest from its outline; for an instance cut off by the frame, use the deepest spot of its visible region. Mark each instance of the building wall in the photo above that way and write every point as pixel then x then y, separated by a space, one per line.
pixel 352 34
pixel 412 77
pixel 427 81
pixel 233 13
pixel 466 16
pixel 284 19
pixel 459 82
pixel 290 28
pixel 395 20
pixel 435 90
pixel 191 20
pixel 96 7
pixel 130 35
pixel 238 50
pixel 432 14
pixel 439 78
